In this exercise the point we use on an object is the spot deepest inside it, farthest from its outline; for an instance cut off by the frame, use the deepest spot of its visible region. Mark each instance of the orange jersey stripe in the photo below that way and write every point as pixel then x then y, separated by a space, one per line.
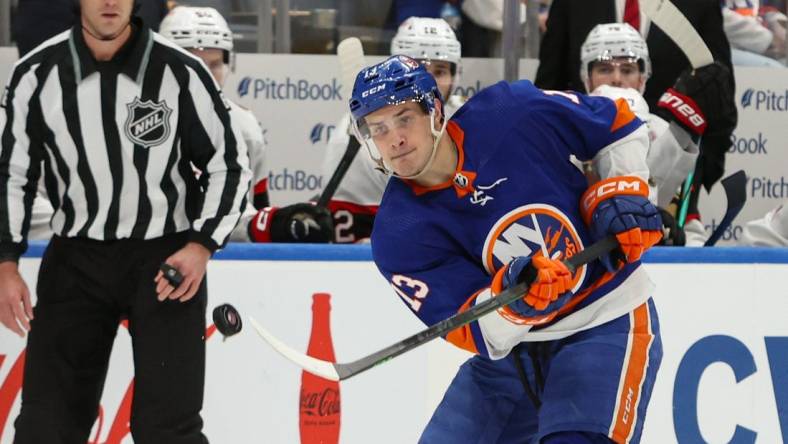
pixel 624 115
pixel 631 384
pixel 462 337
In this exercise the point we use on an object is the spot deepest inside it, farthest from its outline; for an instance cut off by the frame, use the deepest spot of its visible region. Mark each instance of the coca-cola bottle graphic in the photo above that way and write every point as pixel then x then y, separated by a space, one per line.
pixel 319 410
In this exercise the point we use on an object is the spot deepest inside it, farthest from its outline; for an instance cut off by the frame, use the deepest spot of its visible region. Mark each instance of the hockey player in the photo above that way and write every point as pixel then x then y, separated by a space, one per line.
pixel 615 64
pixel 204 33
pixel 432 42
pixel 477 200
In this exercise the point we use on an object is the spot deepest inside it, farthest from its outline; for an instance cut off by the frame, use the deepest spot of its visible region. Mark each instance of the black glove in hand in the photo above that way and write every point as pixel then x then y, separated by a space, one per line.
pixel 701 100
pixel 302 222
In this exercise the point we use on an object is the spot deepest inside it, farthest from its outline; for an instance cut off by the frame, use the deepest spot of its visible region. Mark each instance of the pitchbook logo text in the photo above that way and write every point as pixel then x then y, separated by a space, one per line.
pixel 289 89
pixel 766 100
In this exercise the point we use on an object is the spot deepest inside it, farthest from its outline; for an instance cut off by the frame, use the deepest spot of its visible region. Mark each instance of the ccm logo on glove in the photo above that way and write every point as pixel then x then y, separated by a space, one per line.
pixel 622 185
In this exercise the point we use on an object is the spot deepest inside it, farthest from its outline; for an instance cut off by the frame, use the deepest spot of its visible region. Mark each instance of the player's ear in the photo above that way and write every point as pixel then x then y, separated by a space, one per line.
pixel 438 112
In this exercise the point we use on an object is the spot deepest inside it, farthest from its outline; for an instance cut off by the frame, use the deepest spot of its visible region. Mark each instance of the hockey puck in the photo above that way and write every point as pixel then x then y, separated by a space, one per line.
pixel 173 276
pixel 227 320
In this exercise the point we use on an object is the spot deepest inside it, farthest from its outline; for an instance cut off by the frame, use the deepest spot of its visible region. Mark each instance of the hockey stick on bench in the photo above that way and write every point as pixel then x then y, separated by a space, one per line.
pixel 672 22
pixel 735 187
pixel 351 61
pixel 338 372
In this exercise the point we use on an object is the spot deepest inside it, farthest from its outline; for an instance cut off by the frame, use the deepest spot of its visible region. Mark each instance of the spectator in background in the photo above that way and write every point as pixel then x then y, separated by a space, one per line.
pixel 570 21
pixel 401 10
pixel 38 20
pixel 757 36
pixel 482 26
pixel 777 5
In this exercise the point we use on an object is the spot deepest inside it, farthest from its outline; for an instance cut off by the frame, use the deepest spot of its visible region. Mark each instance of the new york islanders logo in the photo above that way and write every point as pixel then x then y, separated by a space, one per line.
pixel 528 230
pixel 148 122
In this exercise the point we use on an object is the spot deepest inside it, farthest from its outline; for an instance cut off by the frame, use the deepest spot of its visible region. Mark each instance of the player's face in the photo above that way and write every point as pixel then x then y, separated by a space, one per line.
pixel 106 18
pixel 621 73
pixel 214 59
pixel 402 134
pixel 441 70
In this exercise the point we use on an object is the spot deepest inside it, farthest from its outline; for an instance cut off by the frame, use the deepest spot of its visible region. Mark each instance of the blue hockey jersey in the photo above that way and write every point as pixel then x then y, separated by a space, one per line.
pixel 514 192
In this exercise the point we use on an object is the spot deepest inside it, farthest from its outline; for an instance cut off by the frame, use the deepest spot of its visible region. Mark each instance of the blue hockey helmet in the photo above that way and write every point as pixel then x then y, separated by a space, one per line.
pixel 396 80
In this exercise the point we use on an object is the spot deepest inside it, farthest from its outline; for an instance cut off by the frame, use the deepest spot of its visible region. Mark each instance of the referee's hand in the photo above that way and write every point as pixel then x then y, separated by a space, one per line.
pixel 190 261
pixel 16 311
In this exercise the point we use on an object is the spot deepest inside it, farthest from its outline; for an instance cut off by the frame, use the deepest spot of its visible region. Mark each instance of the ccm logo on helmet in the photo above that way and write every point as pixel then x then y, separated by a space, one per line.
pixel 684 108
pixel 373 90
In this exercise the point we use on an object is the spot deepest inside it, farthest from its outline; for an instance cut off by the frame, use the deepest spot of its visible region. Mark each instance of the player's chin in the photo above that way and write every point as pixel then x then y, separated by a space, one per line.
pixel 406 169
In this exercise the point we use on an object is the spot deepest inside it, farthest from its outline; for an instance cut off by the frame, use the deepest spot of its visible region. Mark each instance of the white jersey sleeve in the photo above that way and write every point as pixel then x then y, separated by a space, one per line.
pixel 671 156
pixel 252 134
pixel 768 231
pixel 247 124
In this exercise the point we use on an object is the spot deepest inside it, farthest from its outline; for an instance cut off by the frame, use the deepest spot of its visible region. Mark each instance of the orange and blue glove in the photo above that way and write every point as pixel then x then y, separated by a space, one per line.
pixel 550 289
pixel 620 206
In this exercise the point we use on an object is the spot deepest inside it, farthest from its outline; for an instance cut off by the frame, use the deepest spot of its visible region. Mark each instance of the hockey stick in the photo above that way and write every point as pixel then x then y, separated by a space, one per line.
pixel 735 187
pixel 351 61
pixel 339 372
pixel 672 22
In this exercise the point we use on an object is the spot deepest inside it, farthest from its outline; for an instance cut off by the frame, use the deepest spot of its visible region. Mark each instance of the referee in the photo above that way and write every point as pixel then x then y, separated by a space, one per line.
pixel 117 117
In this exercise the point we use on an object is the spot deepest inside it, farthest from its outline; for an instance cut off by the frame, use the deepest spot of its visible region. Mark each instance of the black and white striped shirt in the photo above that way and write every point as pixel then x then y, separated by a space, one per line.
pixel 116 142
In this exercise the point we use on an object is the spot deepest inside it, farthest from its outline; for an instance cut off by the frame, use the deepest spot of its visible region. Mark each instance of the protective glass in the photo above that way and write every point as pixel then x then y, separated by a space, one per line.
pixel 377 130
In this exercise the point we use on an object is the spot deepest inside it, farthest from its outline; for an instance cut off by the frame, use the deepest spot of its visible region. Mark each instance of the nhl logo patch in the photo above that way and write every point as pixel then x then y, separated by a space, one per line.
pixel 460 180
pixel 148 122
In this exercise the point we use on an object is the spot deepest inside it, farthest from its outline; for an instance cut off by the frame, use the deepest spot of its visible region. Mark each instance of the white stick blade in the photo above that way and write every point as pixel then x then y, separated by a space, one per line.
pixel 351 61
pixel 318 367
pixel 675 25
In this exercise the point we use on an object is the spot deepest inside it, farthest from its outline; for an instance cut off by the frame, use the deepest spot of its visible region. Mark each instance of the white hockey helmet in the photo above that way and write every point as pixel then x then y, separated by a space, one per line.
pixel 613 40
pixel 423 38
pixel 198 28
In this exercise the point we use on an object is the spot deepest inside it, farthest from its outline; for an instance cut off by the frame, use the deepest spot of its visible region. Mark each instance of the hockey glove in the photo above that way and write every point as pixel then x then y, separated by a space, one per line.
pixel 701 99
pixel 550 289
pixel 301 222
pixel 620 206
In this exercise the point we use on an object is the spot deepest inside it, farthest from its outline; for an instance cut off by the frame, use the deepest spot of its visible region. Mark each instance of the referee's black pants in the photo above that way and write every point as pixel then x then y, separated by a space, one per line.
pixel 85 288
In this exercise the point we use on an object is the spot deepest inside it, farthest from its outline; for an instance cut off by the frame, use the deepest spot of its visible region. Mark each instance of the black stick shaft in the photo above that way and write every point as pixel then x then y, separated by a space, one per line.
pixel 339 172
pixel 735 187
